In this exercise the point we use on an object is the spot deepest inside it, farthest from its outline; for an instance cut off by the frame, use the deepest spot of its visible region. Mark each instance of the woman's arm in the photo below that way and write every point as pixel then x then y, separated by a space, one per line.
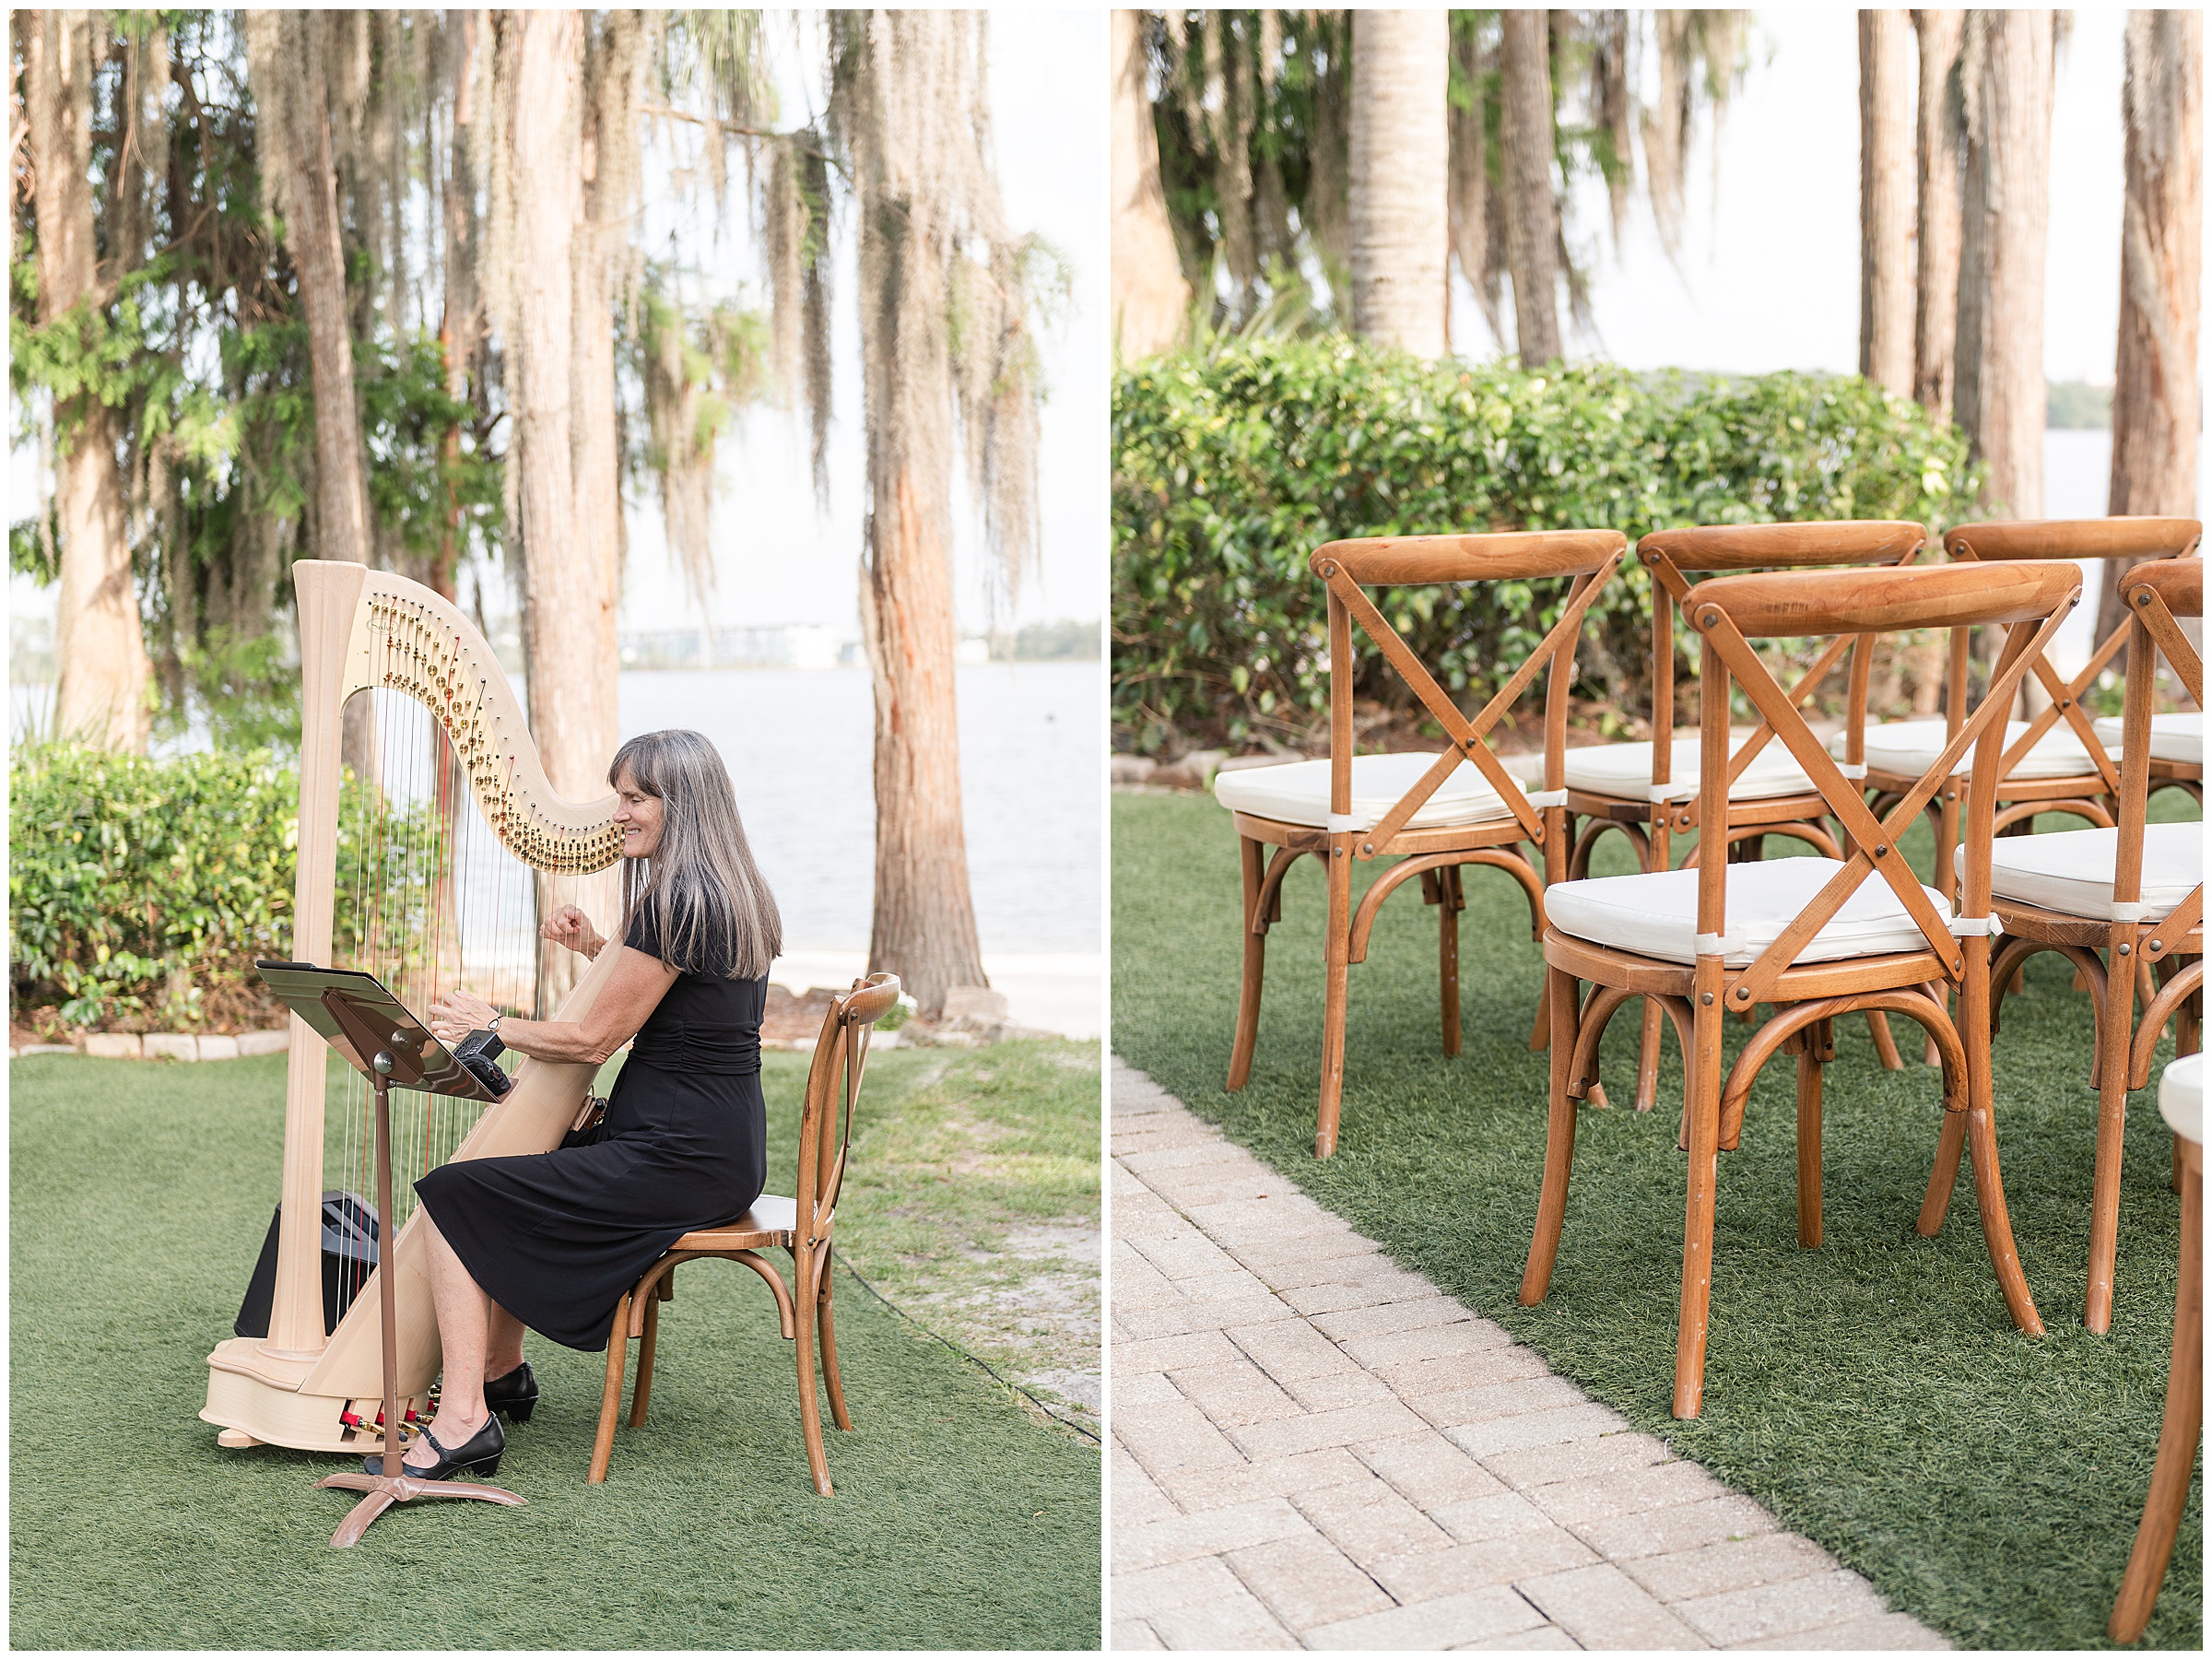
pixel 632 991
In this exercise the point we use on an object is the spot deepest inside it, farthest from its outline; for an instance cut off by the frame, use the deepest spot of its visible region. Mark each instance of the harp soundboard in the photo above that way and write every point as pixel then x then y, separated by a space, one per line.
pixel 425 865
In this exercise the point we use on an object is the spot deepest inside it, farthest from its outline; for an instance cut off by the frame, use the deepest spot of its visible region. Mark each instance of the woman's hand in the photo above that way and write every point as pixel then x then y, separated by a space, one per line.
pixel 571 928
pixel 455 1014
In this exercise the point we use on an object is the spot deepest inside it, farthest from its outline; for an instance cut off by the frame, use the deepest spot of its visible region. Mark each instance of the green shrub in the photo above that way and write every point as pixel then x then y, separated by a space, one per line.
pixel 1232 465
pixel 140 891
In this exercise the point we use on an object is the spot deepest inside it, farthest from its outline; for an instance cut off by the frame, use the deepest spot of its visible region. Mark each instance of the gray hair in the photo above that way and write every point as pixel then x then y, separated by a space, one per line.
pixel 708 901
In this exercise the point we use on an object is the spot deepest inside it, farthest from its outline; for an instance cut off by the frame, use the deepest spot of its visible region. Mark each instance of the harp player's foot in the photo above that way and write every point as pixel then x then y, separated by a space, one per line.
pixel 513 1393
pixel 478 1455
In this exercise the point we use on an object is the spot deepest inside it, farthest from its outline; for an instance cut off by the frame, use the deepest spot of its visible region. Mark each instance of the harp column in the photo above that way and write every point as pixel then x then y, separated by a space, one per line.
pixel 329 604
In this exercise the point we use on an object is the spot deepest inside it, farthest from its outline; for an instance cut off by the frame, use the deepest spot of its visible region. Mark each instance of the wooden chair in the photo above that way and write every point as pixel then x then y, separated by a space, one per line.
pixel 1434 813
pixel 2181 1101
pixel 1816 938
pixel 2059 761
pixel 1649 791
pixel 2135 890
pixel 801 1226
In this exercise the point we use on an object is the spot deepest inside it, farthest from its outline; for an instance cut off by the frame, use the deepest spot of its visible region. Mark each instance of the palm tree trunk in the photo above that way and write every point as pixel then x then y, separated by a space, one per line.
pixel 1400 177
pixel 2154 392
pixel 101 698
pixel 1885 277
pixel 1532 216
pixel 1935 294
pixel 2001 391
pixel 1150 297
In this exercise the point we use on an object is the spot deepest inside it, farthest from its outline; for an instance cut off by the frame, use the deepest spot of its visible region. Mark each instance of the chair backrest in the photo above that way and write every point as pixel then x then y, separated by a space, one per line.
pixel 1589 557
pixel 1671 555
pixel 841 1058
pixel 1729 612
pixel 2157 595
pixel 2119 539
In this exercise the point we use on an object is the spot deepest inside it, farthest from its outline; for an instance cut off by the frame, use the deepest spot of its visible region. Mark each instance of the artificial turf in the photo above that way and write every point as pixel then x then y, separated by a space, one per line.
pixel 140 1192
pixel 1872 1393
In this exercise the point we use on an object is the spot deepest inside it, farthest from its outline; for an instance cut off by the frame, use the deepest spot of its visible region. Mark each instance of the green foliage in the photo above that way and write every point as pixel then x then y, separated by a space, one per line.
pixel 142 891
pixel 1231 467
pixel 2080 404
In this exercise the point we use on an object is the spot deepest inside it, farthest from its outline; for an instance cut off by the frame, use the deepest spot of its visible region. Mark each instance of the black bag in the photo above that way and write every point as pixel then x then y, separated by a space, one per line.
pixel 590 1129
pixel 350 1252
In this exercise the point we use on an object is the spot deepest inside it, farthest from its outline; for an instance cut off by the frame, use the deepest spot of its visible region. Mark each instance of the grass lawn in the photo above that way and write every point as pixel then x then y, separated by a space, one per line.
pixel 1873 1393
pixel 140 1195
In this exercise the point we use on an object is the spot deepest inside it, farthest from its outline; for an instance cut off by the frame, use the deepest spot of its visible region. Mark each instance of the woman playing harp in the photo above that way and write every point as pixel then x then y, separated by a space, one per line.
pixel 551 1241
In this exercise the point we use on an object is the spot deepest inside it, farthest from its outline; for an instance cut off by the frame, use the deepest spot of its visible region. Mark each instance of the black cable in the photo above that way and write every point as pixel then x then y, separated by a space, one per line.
pixel 846 1264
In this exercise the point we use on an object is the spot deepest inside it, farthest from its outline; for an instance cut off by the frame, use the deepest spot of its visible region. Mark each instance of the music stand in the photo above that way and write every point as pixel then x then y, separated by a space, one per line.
pixel 388 1046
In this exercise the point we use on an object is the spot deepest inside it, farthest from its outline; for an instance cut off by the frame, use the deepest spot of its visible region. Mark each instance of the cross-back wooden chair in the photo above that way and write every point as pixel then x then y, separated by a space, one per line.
pixel 1648 792
pixel 1816 938
pixel 801 1226
pixel 2058 761
pixel 2134 891
pixel 1433 813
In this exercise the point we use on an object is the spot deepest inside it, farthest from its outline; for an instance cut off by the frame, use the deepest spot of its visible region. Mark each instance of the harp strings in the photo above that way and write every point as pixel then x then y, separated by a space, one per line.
pixel 430 901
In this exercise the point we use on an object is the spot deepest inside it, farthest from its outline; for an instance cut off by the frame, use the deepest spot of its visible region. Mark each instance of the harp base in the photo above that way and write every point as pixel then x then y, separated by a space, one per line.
pixel 276 1411
pixel 385 1491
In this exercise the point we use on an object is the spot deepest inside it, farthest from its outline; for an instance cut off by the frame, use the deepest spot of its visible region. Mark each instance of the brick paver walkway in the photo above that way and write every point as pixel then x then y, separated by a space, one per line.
pixel 1314 1447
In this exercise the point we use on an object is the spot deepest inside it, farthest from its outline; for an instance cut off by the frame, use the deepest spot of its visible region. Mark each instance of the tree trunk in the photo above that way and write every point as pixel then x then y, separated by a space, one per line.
pixel 567 604
pixel 923 928
pixel 2154 389
pixel 1150 297
pixel 1885 277
pixel 1936 297
pixel 1532 217
pixel 2005 222
pixel 102 695
pixel 1400 177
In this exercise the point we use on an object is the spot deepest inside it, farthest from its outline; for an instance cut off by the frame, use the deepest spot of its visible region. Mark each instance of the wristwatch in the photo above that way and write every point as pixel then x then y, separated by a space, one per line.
pixel 494 1027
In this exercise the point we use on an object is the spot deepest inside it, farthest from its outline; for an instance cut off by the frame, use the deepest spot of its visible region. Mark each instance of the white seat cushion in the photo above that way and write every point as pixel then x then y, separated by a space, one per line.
pixel 2071 871
pixel 1625 771
pixel 1656 914
pixel 2173 737
pixel 2182 1098
pixel 1298 793
pixel 1913 746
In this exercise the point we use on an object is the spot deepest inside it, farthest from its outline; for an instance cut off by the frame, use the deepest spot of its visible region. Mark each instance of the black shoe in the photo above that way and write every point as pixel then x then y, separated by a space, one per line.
pixel 514 1394
pixel 478 1455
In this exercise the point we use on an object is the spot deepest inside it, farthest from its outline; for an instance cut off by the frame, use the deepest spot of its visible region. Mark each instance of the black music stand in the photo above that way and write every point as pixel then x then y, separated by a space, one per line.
pixel 373 1030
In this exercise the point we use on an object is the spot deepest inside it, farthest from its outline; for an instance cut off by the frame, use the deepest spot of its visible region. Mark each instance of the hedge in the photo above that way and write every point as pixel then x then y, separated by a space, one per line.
pixel 140 891
pixel 1232 464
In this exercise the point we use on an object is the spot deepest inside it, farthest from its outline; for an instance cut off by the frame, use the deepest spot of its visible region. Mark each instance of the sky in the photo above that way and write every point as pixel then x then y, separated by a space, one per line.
pixel 1768 279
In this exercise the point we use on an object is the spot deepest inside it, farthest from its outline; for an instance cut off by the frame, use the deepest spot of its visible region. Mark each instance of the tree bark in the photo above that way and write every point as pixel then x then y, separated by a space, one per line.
pixel 1150 297
pixel 2155 383
pixel 286 53
pixel 1532 217
pixel 103 679
pixel 2005 222
pixel 1935 294
pixel 923 927
pixel 568 598
pixel 1885 277
pixel 1400 177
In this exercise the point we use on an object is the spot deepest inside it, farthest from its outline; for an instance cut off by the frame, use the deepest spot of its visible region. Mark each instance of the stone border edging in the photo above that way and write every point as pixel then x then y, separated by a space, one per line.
pixel 166 1045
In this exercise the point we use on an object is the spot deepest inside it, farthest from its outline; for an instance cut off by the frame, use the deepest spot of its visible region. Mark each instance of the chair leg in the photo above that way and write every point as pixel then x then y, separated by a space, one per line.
pixel 810 1412
pixel 1809 1147
pixel 2113 1030
pixel 826 1318
pixel 1253 856
pixel 1877 1024
pixel 1974 998
pixel 610 1396
pixel 1338 949
pixel 1447 955
pixel 1704 1179
pixel 1539 1035
pixel 1950 1145
pixel 641 1391
pixel 1562 996
pixel 2178 1436
pixel 1647 1058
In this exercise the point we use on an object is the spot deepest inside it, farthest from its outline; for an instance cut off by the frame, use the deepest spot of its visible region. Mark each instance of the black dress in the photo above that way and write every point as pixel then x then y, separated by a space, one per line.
pixel 556 1238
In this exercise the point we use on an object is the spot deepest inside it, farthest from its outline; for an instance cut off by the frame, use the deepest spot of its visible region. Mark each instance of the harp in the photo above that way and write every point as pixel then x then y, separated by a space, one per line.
pixel 429 872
